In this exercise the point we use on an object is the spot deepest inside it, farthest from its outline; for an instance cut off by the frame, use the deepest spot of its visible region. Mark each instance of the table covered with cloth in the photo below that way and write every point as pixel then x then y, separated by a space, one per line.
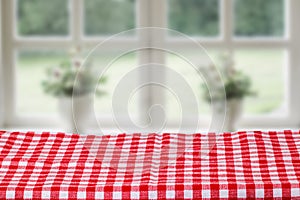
pixel 252 164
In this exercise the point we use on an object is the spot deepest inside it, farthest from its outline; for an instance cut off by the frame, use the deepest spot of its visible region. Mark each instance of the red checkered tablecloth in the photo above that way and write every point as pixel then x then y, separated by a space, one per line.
pixel 150 166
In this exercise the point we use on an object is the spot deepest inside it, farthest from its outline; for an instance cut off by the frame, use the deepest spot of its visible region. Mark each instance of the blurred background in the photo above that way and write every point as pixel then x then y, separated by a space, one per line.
pixel 261 38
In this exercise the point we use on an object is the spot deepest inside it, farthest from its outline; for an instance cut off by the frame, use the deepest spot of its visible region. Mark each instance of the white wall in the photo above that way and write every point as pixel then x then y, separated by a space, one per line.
pixel 1 80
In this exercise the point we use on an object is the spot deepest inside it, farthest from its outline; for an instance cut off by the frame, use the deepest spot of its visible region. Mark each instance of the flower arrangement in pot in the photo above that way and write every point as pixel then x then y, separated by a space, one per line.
pixel 232 86
pixel 74 84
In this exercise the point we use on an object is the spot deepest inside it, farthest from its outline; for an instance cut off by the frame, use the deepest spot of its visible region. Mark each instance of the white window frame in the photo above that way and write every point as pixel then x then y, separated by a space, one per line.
pixel 12 43
pixel 145 18
pixel 290 43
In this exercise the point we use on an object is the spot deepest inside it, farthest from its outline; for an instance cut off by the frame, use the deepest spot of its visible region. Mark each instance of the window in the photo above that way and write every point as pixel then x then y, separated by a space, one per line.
pixel 259 18
pixel 40 34
pixel 194 17
pixel 103 17
pixel 31 66
pixel 42 18
pixel 259 34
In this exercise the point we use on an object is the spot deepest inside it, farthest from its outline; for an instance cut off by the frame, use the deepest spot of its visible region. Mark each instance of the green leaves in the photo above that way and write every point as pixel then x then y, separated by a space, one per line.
pixel 238 86
pixel 233 84
pixel 70 78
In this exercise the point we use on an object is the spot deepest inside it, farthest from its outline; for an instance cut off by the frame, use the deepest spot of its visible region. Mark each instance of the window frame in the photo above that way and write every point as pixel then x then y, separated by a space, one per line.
pixel 145 18
pixel 227 40
pixel 13 42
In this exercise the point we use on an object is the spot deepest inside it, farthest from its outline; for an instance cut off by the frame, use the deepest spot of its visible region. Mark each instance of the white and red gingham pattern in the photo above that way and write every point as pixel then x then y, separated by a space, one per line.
pixel 150 166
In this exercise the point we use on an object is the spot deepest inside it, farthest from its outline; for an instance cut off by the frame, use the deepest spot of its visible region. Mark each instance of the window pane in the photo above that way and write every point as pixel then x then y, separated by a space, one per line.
pixel 114 73
pixel 194 17
pixel 43 17
pixel 104 17
pixel 193 80
pixel 266 69
pixel 31 71
pixel 259 17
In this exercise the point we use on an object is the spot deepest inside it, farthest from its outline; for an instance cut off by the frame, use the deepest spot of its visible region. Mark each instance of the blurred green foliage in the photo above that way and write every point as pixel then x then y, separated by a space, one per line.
pixel 104 17
pixel 43 17
pixel 192 17
pixel 70 77
pixel 259 17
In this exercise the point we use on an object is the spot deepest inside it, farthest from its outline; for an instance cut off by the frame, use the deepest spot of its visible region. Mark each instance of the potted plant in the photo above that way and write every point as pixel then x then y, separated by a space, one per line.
pixel 74 84
pixel 232 86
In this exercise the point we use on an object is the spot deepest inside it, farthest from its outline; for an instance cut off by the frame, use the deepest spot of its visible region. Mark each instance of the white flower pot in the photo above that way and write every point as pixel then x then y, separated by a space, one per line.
pixel 234 108
pixel 226 119
pixel 75 112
